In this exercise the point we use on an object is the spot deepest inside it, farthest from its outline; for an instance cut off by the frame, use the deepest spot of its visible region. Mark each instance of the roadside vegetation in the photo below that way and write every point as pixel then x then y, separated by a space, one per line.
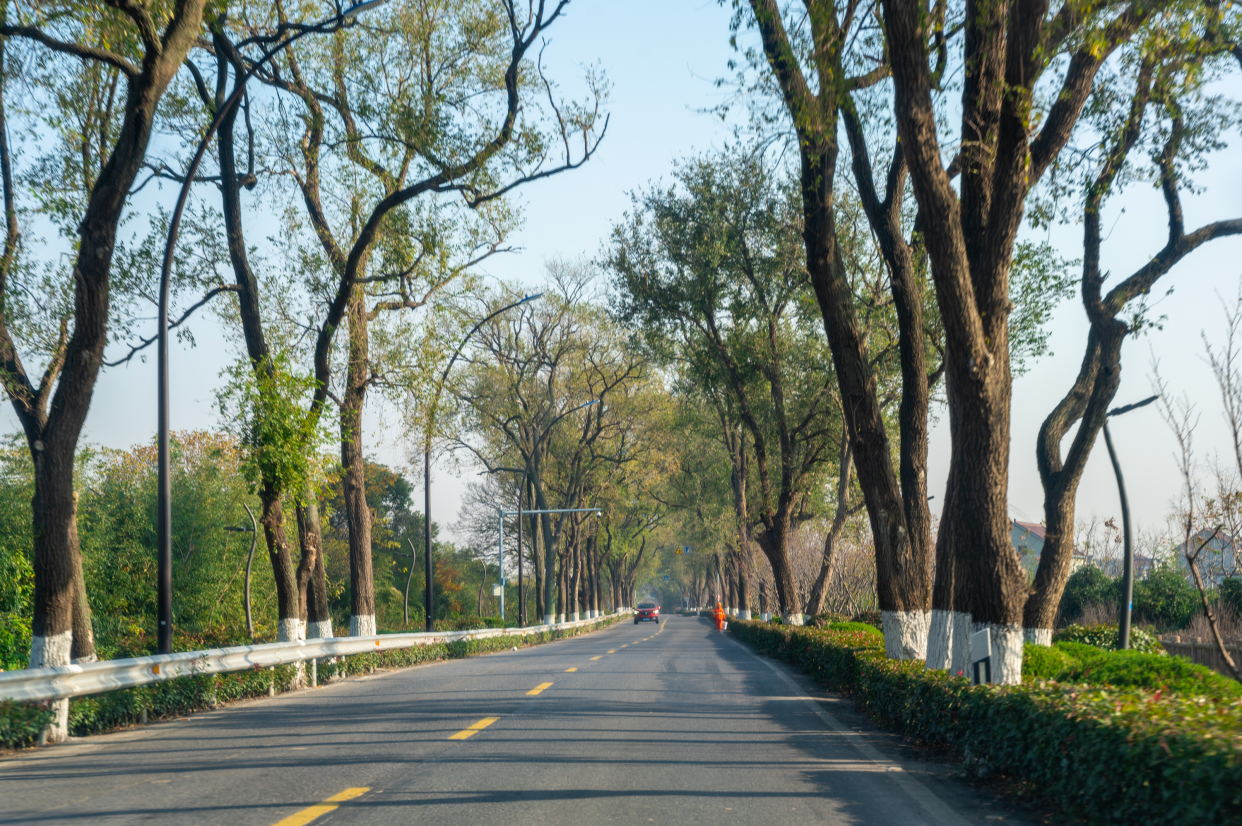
pixel 729 400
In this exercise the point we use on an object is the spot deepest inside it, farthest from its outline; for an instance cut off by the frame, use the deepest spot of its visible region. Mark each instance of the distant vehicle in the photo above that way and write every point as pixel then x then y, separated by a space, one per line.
pixel 647 611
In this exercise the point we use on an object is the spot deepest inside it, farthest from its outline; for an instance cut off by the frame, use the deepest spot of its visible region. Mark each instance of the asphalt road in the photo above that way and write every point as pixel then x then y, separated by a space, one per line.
pixel 673 724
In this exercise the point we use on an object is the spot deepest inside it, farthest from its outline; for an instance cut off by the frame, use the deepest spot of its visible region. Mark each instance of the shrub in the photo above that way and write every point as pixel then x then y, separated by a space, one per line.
pixel 1105 755
pixel 1071 662
pixel 1106 636
pixel 1166 599
pixel 1084 587
pixel 1041 662
pixel 857 627
pixel 870 617
pixel 20 724
pixel 827 618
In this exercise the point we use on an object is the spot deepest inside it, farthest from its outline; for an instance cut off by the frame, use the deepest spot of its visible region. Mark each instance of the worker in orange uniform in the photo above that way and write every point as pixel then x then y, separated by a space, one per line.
pixel 719 614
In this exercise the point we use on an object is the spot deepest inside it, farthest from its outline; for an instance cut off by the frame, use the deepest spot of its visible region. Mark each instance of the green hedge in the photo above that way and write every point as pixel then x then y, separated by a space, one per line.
pixel 20 724
pixel 1104 635
pixel 1071 662
pixel 1102 754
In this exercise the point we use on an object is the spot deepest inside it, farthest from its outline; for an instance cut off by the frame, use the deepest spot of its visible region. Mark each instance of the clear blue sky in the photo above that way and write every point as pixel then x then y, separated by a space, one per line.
pixel 661 58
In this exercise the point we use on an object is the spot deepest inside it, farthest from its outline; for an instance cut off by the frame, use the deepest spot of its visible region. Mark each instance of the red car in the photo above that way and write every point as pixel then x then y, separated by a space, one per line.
pixel 647 611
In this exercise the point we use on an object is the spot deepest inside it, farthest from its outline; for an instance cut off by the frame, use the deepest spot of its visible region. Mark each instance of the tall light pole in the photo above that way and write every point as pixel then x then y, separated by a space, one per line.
pixel 1127 580
pixel 163 530
pixel 521 493
pixel 430 608
pixel 253 530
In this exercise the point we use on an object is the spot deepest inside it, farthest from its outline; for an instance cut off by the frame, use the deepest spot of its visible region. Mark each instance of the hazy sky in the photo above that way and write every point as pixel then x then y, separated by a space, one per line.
pixel 661 58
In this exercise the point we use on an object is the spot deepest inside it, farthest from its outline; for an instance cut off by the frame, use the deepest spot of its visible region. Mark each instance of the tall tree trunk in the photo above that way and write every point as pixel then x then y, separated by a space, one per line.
pixel 310 535
pixel 53 421
pixel 83 631
pixel 357 512
pixel 288 598
pixel 289 583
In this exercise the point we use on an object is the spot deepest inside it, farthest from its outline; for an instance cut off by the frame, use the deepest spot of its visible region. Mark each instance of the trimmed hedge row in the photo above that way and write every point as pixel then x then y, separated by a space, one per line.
pixel 1102 754
pixel 1075 662
pixel 20 724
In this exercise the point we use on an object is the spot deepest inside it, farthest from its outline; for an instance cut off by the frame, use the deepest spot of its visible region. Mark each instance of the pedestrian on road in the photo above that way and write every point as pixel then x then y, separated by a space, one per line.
pixel 719 614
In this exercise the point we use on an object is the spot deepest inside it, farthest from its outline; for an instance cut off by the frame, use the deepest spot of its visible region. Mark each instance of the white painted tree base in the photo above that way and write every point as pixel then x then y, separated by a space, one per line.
pixel 549 619
pixel 89 658
pixel 1038 636
pixel 948 642
pixel 362 625
pixel 49 652
pixel 575 616
pixel 795 619
pixel 319 630
pixel 1006 651
pixel 744 614
pixel 905 634
pixel 290 630
pixel 766 616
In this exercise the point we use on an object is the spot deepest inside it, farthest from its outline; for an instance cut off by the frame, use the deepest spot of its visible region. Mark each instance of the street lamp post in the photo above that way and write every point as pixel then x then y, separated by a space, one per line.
pixel 164 505
pixel 253 530
pixel 430 609
pixel 1127 583
pixel 521 493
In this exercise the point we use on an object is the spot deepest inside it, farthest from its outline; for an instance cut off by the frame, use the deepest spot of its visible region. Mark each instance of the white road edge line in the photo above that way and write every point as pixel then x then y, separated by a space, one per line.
pixel 922 795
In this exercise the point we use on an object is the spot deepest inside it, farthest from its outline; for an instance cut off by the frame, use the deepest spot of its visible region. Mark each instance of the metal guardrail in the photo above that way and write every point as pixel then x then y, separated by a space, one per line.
pixel 60 682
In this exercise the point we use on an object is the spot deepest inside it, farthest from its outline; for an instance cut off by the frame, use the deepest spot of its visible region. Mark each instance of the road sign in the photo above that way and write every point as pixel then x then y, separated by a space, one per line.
pixel 679 550
pixel 666 577
pixel 498 590
pixel 687 549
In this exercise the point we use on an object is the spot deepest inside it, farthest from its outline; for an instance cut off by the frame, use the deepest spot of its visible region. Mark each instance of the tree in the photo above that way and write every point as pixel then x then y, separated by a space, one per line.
pixel 819 70
pixel 1164 100
pixel 128 39
pixel 1027 73
pixel 714 267
pixel 427 99
pixel 543 361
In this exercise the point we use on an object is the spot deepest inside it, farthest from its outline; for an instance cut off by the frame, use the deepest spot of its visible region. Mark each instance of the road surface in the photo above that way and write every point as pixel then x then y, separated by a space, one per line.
pixel 673 724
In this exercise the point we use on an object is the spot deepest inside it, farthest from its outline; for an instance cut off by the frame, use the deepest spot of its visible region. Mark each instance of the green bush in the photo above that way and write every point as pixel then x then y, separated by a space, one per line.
pixel 858 627
pixel 1071 662
pixel 1104 755
pixel 1166 599
pixel 1086 586
pixel 1041 662
pixel 870 617
pixel 20 723
pixel 1103 635
pixel 827 618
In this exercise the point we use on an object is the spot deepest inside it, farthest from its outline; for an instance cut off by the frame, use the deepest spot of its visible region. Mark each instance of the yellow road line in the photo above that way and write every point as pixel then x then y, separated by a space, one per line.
pixel 596 658
pixel 627 645
pixel 613 651
pixel 331 804
pixel 567 670
pixel 538 689
pixel 465 734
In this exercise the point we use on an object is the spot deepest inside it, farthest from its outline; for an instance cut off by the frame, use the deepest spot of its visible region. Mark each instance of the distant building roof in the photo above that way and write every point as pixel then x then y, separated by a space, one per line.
pixel 1033 527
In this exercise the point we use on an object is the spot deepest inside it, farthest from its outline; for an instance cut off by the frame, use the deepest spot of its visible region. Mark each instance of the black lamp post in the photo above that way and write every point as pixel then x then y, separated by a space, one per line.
pixel 521 493
pixel 430 610
pixel 164 504
pixel 1127 583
